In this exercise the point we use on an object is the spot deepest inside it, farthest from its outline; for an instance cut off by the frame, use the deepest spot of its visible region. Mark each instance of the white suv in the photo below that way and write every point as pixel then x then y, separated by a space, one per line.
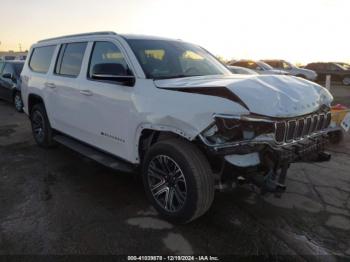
pixel 171 111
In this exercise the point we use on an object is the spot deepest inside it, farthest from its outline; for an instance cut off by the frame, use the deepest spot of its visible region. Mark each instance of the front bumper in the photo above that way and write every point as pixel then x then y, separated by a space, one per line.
pixel 252 153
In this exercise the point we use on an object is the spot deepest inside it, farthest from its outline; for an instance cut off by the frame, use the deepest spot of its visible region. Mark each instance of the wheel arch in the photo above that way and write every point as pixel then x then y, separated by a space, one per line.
pixel 34 99
pixel 148 134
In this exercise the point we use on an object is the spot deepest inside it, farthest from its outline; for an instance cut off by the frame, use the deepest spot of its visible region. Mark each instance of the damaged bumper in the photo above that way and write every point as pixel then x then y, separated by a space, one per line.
pixel 265 159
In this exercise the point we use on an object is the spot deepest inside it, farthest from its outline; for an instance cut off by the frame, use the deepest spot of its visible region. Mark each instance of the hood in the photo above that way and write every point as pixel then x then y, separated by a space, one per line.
pixel 269 95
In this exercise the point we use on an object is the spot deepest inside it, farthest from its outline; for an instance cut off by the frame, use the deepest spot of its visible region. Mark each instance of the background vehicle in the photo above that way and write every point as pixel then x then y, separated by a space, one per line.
pixel 241 70
pixel 7 58
pixel 292 69
pixel 259 67
pixel 10 88
pixel 21 57
pixel 336 71
pixel 172 110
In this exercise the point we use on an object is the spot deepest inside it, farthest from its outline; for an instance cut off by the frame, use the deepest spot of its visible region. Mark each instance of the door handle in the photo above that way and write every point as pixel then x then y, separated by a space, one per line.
pixel 86 92
pixel 50 85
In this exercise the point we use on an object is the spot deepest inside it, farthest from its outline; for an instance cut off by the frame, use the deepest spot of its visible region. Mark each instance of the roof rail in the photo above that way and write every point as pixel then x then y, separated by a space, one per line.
pixel 79 35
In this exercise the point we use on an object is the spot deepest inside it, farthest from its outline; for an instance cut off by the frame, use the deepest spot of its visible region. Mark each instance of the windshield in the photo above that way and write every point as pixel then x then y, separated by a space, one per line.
pixel 344 66
pixel 162 59
pixel 264 66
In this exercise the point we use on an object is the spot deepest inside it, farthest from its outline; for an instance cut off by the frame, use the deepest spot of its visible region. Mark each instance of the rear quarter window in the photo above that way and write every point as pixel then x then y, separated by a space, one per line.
pixel 41 58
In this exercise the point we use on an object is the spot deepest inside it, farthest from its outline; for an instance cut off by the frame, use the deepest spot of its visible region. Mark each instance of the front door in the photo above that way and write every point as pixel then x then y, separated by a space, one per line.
pixel 106 108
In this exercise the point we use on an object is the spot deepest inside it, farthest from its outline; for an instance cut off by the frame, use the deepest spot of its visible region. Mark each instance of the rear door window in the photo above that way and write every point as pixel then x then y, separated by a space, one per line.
pixel 70 59
pixel 41 58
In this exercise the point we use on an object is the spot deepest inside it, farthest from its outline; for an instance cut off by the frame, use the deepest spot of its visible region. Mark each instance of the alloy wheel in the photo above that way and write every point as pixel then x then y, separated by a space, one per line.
pixel 167 183
pixel 18 102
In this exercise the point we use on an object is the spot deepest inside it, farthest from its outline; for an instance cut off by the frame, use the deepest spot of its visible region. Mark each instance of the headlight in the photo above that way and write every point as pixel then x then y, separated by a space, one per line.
pixel 230 129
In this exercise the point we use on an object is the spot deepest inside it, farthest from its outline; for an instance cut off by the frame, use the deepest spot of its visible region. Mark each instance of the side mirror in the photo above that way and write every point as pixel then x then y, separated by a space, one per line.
pixel 258 68
pixel 113 72
pixel 8 75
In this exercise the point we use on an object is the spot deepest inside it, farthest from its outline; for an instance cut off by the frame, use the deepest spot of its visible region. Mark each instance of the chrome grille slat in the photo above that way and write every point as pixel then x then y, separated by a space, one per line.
pixel 307 126
pixel 280 131
pixel 300 128
pixel 291 127
pixel 320 122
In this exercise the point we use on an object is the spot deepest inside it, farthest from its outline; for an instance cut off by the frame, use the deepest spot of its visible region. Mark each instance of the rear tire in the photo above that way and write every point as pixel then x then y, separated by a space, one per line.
pixel 42 131
pixel 17 101
pixel 178 180
pixel 346 81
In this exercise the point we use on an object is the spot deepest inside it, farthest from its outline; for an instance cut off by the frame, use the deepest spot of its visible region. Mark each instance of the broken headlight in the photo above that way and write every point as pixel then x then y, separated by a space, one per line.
pixel 231 129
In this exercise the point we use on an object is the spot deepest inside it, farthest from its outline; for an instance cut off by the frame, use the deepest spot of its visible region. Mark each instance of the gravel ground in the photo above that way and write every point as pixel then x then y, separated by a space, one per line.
pixel 57 202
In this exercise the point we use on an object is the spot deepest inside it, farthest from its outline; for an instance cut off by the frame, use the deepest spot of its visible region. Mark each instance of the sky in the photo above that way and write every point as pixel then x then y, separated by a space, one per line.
pixel 296 30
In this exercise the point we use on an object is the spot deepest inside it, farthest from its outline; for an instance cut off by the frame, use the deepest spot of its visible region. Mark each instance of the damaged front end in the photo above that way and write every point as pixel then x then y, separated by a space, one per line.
pixel 259 149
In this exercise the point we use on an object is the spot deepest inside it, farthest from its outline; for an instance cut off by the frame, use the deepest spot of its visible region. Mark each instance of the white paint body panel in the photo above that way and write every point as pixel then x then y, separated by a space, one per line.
pixel 123 112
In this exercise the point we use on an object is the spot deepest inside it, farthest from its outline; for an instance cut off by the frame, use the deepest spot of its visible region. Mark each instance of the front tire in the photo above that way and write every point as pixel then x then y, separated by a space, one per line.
pixel 178 180
pixel 17 101
pixel 41 128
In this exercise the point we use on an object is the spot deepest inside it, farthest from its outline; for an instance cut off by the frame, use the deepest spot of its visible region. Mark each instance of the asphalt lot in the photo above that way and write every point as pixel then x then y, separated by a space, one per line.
pixel 57 202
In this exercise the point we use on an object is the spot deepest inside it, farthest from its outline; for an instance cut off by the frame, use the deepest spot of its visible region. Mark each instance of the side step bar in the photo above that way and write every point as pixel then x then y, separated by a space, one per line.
pixel 95 154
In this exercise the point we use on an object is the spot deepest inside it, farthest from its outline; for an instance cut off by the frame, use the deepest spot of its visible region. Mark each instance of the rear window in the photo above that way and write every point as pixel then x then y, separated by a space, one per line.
pixel 70 59
pixel 41 59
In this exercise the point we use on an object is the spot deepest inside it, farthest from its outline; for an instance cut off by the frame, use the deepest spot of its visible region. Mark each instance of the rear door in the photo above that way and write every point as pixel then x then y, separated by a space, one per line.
pixel 63 89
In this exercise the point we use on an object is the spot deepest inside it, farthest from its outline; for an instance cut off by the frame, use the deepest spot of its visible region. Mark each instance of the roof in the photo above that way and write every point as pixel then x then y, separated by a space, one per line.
pixel 78 35
pixel 126 36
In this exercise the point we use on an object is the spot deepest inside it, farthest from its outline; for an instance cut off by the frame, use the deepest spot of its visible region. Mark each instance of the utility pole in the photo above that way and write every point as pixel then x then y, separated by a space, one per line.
pixel 20 47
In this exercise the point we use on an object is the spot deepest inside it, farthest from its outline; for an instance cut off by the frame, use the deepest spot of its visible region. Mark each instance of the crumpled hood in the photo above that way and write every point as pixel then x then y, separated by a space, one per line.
pixel 269 95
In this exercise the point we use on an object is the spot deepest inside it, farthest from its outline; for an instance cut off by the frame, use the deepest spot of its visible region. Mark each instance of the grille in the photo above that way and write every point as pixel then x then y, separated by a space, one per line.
pixel 299 128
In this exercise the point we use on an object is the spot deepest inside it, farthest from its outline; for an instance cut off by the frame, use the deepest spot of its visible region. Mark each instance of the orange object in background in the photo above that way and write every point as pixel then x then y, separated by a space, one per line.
pixel 338 113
